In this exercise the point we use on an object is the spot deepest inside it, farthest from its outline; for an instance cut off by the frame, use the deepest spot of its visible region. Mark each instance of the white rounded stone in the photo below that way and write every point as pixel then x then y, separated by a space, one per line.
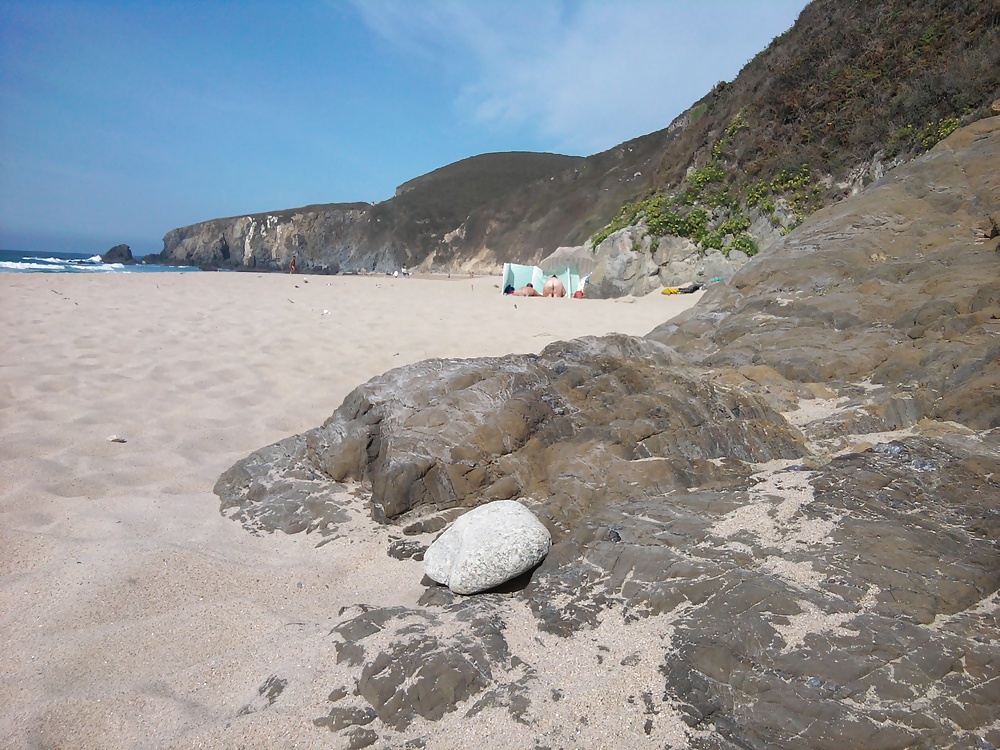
pixel 486 547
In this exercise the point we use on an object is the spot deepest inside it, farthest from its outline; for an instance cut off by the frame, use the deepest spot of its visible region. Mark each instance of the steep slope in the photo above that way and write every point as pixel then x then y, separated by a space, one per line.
pixel 851 78
pixel 850 90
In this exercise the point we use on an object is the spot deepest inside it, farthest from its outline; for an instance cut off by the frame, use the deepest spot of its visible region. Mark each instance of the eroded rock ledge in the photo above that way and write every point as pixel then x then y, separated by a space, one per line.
pixel 584 422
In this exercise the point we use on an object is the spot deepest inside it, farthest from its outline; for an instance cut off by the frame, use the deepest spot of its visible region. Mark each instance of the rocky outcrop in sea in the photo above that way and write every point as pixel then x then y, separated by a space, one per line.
pixel 799 478
pixel 118 254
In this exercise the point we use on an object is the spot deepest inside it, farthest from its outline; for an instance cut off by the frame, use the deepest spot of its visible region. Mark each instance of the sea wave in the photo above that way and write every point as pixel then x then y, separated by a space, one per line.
pixel 25 266
pixel 60 265
pixel 12 261
pixel 75 261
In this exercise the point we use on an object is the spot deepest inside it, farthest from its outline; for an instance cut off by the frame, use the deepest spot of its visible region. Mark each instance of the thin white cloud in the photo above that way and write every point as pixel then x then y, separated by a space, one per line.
pixel 583 75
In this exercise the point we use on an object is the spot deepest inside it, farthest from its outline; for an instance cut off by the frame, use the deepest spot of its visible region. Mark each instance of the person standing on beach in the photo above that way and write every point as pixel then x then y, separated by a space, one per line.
pixel 291 266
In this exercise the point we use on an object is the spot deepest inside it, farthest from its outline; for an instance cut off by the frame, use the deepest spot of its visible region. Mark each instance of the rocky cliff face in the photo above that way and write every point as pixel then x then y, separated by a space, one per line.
pixel 798 479
pixel 321 239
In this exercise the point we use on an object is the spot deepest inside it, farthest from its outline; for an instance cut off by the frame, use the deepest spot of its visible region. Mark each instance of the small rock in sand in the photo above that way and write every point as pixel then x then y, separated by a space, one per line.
pixel 487 546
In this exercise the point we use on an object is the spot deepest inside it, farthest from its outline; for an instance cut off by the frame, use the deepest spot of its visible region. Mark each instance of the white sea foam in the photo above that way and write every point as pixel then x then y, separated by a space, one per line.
pixel 76 261
pixel 99 267
pixel 59 264
pixel 14 262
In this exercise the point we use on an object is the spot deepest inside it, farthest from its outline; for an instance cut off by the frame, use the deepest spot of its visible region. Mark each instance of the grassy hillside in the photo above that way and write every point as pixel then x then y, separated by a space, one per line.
pixel 470 183
pixel 563 209
pixel 426 209
pixel 851 79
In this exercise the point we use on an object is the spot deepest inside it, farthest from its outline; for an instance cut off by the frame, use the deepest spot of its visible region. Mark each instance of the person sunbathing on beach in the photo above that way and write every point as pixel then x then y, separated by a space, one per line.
pixel 526 291
pixel 554 288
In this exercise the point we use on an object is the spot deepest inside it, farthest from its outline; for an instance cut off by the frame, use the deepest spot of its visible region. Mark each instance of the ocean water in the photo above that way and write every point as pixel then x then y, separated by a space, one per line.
pixel 14 261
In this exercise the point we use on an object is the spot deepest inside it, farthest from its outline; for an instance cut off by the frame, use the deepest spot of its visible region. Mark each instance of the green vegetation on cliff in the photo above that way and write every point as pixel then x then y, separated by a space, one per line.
pixel 796 129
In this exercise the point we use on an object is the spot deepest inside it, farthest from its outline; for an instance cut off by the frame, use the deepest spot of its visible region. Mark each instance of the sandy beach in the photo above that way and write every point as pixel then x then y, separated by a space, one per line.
pixel 133 614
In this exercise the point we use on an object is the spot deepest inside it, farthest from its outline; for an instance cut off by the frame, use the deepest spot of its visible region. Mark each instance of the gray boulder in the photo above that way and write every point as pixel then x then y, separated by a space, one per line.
pixel 487 546
pixel 680 261
pixel 629 262
pixel 118 254
pixel 624 266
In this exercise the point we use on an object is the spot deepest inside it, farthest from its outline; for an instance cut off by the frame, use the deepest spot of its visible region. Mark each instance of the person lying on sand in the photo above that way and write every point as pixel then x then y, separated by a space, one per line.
pixel 554 288
pixel 526 291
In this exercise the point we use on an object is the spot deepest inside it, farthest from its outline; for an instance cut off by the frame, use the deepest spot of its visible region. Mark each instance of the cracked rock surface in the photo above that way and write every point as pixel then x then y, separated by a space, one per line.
pixel 797 482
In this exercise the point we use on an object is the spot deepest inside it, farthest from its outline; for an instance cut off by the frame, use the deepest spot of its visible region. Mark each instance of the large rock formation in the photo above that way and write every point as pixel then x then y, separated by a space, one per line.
pixel 118 254
pixel 800 476
pixel 900 287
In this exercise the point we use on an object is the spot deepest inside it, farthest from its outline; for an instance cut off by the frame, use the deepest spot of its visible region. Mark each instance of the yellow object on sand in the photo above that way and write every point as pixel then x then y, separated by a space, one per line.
pixel 671 290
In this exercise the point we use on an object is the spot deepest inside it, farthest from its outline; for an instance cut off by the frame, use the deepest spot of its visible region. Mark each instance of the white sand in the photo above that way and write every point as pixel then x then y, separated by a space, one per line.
pixel 133 615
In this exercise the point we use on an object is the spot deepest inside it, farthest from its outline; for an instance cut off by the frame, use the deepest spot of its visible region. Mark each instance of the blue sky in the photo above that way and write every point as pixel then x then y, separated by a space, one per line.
pixel 122 120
